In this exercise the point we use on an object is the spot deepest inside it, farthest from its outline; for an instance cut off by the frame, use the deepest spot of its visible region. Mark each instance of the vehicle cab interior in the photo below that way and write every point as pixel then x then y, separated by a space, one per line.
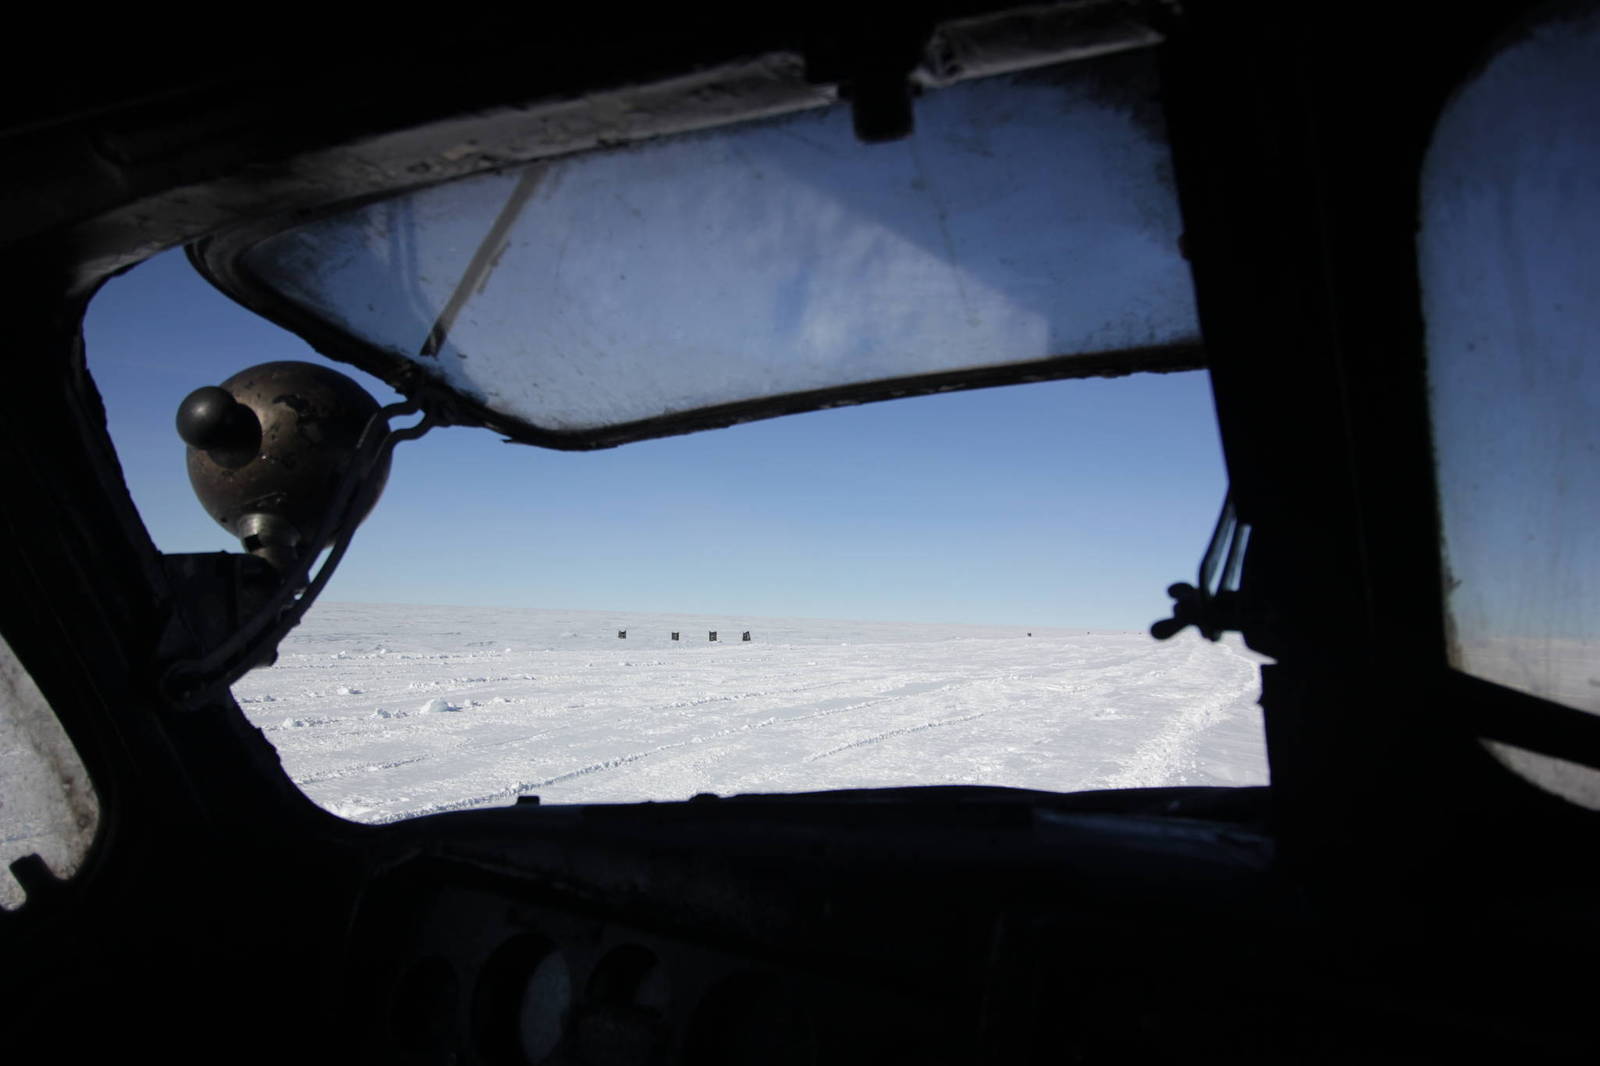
pixel 1376 233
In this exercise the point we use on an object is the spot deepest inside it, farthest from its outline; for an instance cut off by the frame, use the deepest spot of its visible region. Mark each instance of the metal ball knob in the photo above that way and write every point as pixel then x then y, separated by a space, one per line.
pixel 268 452
pixel 212 420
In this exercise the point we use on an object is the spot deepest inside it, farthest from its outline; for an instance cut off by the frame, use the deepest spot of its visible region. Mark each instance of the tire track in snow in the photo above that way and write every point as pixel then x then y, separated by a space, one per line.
pixel 339 773
pixel 617 762
pixel 899 694
pixel 888 734
pixel 1159 757
pixel 913 689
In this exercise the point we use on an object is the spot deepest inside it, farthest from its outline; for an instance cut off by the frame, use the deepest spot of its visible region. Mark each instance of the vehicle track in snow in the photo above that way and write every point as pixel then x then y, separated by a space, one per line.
pixel 702 740
pixel 1166 753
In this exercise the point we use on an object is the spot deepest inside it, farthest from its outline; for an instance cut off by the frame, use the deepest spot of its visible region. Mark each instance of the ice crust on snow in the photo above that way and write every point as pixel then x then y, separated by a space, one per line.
pixel 549 703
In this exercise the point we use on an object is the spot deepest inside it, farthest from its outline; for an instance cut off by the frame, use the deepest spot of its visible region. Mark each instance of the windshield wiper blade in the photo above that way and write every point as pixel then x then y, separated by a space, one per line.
pixel 484 260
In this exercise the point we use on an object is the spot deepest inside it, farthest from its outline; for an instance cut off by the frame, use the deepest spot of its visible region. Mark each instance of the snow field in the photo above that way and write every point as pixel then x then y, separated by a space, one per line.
pixel 386 712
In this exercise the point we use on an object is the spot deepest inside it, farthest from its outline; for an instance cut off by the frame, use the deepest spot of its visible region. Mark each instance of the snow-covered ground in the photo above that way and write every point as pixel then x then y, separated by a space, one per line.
pixel 386 712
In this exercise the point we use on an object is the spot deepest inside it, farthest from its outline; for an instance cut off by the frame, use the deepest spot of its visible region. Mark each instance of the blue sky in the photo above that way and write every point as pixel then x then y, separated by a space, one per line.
pixel 1069 503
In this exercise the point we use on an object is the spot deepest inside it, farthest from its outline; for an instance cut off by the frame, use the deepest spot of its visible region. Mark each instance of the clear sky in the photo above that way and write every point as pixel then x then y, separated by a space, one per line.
pixel 1061 504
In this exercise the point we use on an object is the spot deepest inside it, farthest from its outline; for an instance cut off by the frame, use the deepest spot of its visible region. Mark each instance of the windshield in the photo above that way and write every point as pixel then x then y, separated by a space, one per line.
pixel 1029 222
pixel 949 589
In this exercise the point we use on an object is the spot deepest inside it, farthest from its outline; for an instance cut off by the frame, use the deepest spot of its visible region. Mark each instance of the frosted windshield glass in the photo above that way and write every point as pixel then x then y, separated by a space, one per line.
pixel 1029 216
pixel 1511 282
pixel 48 807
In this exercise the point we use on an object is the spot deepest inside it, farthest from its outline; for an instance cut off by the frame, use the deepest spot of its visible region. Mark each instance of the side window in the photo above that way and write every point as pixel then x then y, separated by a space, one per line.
pixel 47 805
pixel 1509 252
